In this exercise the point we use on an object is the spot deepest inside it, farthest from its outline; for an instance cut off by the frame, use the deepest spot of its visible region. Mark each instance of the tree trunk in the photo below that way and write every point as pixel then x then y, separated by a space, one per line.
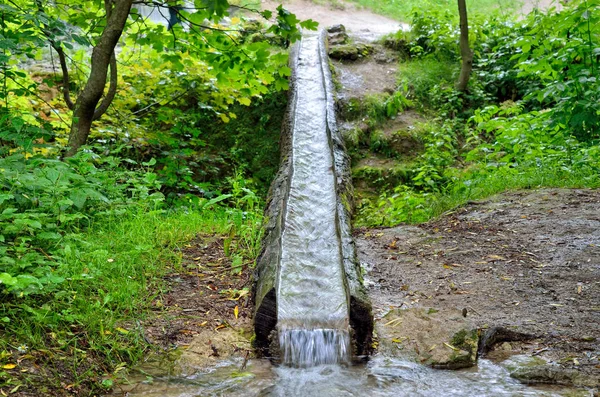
pixel 102 58
pixel 465 52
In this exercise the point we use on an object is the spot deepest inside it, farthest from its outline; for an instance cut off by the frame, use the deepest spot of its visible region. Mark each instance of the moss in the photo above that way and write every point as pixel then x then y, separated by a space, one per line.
pixel 465 340
pixel 350 52
pixel 383 176
pixel 352 138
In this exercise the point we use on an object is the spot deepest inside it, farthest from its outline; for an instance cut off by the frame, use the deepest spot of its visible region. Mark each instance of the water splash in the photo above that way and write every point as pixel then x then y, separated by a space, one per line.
pixel 311 347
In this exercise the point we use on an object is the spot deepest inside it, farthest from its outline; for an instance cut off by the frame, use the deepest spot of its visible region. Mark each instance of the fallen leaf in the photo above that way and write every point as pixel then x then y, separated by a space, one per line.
pixel 9 366
pixel 121 330
pixel 236 311
pixel 495 258
pixel 392 322
pixel 451 347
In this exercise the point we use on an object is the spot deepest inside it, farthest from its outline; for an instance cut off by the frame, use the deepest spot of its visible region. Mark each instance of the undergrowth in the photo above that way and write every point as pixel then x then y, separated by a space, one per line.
pixel 85 245
pixel 529 118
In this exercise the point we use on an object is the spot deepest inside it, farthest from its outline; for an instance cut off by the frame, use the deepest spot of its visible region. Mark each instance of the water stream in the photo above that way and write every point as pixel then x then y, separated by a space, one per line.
pixel 381 377
pixel 312 301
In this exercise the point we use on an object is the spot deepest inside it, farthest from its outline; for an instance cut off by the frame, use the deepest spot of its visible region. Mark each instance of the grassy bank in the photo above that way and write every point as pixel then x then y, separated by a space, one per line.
pixel 528 119
pixel 78 333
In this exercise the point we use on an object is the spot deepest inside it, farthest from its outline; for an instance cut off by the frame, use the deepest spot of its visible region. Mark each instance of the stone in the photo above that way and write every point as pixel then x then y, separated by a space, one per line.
pixel 337 35
pixel 552 374
pixel 350 52
pixel 437 338
pixel 337 38
pixel 339 28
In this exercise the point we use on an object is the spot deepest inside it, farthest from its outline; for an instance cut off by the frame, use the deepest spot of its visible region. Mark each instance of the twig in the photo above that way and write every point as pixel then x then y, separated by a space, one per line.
pixel 243 367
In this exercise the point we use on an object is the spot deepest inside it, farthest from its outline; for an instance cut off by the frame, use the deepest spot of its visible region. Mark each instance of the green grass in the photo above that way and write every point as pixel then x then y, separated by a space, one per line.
pixel 112 272
pixel 420 75
pixel 401 9
pixel 415 208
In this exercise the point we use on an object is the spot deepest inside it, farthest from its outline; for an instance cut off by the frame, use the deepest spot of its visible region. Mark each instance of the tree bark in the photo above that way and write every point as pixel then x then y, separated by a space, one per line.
pixel 465 51
pixel 103 57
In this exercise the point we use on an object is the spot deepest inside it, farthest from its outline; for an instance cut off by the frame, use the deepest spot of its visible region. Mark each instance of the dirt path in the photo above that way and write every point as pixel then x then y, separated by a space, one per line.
pixel 528 261
pixel 362 22
pixel 358 22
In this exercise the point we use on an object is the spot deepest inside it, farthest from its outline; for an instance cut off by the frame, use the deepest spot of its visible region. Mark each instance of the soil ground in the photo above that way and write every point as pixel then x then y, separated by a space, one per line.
pixel 205 297
pixel 526 260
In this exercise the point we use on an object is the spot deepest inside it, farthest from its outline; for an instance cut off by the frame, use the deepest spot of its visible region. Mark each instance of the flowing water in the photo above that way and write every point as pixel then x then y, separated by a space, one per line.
pixel 312 301
pixel 380 377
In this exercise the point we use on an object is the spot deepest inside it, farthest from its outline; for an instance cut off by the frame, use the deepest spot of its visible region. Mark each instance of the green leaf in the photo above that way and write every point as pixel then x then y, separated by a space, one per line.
pixel 7 279
pixel 78 197
pixel 5 197
pixel 309 24
pixel 244 101
pixel 49 236
pixel 217 200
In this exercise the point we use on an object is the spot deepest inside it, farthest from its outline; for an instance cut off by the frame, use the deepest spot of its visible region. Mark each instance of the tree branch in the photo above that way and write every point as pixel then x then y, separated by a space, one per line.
pixel 112 89
pixel 65 72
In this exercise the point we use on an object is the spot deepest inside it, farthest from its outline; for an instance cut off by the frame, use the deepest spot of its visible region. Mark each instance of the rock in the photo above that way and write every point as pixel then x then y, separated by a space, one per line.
pixel 336 29
pixel 496 335
pixel 397 44
pixel 440 339
pixel 551 374
pixel 350 51
pixel 337 35
pixel 337 38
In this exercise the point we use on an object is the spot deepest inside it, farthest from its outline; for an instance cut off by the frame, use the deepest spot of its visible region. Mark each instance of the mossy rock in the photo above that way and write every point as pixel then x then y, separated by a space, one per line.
pixel 405 143
pixel 350 52
pixel 382 174
pixel 399 144
pixel 337 35
pixel 437 338
pixel 554 374
pixel 399 45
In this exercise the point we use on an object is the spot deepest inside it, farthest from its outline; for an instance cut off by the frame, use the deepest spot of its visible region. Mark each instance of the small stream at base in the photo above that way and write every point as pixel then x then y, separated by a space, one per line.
pixel 380 377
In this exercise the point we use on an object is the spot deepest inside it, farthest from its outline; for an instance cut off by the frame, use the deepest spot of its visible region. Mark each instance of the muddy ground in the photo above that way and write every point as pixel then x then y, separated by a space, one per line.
pixel 528 261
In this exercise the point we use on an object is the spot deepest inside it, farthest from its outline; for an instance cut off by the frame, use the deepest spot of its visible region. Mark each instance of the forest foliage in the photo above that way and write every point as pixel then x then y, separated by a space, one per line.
pixel 529 118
